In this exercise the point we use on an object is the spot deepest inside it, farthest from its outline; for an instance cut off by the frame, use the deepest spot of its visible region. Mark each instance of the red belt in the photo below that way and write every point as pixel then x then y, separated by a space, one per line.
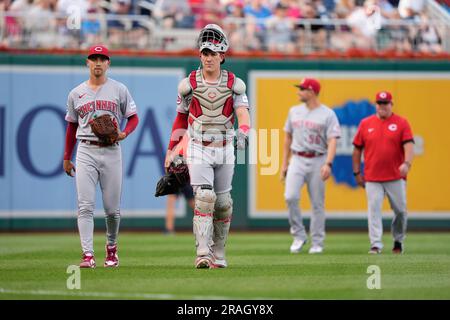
pixel 99 144
pixel 215 143
pixel 308 154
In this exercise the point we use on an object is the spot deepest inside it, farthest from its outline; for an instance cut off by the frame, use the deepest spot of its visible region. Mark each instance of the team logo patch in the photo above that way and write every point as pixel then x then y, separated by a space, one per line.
pixel 178 99
pixel 383 95
pixel 392 127
pixel 370 130
pixel 212 95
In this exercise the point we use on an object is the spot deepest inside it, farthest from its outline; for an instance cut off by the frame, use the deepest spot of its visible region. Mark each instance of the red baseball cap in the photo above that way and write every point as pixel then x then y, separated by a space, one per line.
pixel 98 50
pixel 383 96
pixel 309 83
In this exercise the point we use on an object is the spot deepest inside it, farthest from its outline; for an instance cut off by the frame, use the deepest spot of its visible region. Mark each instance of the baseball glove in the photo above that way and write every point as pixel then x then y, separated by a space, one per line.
pixel 180 170
pixel 168 184
pixel 105 128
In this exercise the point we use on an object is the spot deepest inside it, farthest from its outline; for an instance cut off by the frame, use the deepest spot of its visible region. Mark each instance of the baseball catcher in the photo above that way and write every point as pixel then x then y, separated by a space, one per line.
pixel 209 100
pixel 105 128
pixel 177 176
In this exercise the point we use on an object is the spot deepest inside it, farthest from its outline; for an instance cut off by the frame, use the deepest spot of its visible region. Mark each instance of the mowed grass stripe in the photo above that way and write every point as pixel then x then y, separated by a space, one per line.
pixel 154 266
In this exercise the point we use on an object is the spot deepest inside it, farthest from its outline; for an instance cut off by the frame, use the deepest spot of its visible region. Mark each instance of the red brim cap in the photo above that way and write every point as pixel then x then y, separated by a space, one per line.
pixel 309 83
pixel 98 50
pixel 384 96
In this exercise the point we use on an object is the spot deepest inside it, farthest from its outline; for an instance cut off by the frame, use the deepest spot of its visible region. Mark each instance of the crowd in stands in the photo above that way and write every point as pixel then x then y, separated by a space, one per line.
pixel 286 26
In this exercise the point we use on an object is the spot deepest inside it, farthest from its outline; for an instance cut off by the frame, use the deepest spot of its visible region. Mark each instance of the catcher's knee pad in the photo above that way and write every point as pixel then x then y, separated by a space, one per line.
pixel 205 198
pixel 223 207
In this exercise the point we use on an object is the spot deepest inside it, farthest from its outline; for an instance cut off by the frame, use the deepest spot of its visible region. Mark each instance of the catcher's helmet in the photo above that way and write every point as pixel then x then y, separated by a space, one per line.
pixel 213 38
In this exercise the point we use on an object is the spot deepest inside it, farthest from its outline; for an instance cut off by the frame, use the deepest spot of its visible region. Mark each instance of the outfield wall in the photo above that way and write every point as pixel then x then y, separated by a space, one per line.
pixel 35 194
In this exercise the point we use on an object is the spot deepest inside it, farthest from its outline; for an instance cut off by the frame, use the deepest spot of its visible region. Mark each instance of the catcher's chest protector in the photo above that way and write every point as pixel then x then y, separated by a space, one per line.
pixel 211 108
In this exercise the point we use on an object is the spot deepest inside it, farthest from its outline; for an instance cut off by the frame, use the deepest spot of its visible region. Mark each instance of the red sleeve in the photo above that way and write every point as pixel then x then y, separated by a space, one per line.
pixel 132 123
pixel 358 140
pixel 407 135
pixel 71 140
pixel 178 129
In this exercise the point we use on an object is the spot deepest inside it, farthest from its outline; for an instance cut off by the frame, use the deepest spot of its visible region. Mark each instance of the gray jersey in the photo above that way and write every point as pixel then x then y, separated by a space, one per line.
pixel 311 129
pixel 111 98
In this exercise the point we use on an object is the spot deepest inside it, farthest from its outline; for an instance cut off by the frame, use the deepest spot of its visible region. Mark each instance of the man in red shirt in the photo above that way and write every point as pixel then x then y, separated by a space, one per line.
pixel 387 142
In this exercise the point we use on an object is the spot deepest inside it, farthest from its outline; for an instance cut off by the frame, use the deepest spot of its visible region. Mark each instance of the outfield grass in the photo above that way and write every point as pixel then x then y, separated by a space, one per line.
pixel 155 266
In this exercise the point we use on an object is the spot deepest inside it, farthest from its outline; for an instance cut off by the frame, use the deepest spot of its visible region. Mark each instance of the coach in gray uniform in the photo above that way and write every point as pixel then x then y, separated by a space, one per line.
pixel 312 130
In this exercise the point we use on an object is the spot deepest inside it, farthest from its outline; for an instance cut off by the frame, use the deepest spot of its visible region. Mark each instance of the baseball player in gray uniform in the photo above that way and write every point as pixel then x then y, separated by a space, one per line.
pixel 312 130
pixel 208 101
pixel 96 161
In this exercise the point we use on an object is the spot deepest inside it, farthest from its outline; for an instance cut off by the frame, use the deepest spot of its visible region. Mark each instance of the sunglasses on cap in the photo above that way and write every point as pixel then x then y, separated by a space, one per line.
pixel 383 102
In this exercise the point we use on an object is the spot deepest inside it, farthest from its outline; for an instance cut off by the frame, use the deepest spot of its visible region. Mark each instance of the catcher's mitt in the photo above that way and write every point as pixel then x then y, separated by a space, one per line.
pixel 168 184
pixel 105 128
pixel 179 168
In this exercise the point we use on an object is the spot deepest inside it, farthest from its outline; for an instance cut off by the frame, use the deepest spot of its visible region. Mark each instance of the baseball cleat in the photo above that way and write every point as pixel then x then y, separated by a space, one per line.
pixel 88 261
pixel 112 259
pixel 204 262
pixel 297 245
pixel 315 249
pixel 374 250
pixel 220 263
pixel 398 248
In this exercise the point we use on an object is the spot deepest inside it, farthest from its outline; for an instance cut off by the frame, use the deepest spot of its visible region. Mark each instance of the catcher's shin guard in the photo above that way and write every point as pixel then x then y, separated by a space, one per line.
pixel 203 219
pixel 222 220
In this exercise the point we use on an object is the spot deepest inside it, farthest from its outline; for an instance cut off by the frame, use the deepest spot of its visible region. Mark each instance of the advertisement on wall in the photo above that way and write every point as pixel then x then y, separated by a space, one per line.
pixel 32 135
pixel 421 97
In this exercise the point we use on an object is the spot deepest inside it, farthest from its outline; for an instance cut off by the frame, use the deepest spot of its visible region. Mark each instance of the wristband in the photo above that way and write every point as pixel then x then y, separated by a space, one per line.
pixel 244 128
pixel 356 173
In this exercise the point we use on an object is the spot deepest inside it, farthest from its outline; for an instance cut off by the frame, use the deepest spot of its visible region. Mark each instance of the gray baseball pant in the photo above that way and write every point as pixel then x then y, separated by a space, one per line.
pixel 396 193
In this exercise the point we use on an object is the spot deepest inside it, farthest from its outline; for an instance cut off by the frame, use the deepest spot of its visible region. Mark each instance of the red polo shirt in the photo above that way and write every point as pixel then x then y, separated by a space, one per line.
pixel 382 141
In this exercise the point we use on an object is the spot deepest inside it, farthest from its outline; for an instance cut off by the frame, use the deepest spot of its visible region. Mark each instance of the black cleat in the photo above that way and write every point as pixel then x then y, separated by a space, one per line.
pixel 398 248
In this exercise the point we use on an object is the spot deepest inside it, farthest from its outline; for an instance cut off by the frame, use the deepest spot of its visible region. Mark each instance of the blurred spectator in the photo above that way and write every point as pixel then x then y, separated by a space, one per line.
pixel 394 3
pixel 344 8
pixel 241 33
pixel 387 10
pixel 259 12
pixel 408 9
pixel 293 8
pixel 12 25
pixel 210 12
pixel 174 14
pixel 91 27
pixel 41 25
pixel 117 26
pixel 279 30
pixel 68 31
pixel 311 37
pixel 145 7
pixel 329 5
pixel 427 39
pixel 365 22
pixel 63 5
